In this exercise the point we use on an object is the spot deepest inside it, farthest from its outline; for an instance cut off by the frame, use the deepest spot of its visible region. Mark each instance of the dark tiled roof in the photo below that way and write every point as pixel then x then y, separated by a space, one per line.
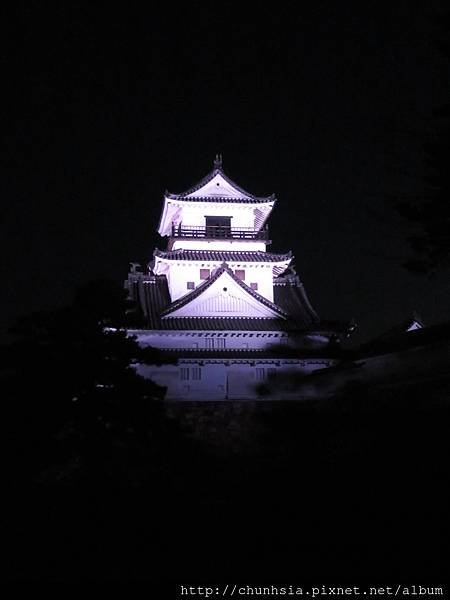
pixel 249 198
pixel 289 293
pixel 226 199
pixel 401 328
pixel 204 286
pixel 290 354
pixel 222 256
pixel 226 324
pixel 434 334
pixel 150 296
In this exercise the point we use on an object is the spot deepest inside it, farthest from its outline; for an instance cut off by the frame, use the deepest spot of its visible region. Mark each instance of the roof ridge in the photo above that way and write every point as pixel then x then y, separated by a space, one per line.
pixel 217 170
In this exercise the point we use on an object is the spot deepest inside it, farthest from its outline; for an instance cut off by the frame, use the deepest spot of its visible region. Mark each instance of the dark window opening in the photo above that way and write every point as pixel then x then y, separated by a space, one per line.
pixel 218 226
pixel 204 273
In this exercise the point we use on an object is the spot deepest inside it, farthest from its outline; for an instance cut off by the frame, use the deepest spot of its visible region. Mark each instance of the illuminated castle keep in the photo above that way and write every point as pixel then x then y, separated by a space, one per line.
pixel 232 314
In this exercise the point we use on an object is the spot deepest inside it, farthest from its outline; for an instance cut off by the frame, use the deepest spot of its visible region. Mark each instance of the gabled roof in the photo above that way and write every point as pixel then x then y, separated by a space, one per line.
pixel 274 310
pixel 222 256
pixel 407 339
pixel 215 188
pixel 411 324
pixel 289 293
pixel 150 296
pixel 218 187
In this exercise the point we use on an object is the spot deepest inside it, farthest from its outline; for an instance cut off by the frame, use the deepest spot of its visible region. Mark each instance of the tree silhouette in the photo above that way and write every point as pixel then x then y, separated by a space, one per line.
pixel 73 395
pixel 429 212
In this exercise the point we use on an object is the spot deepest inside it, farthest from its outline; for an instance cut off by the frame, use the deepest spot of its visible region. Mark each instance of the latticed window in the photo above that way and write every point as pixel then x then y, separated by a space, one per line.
pixel 218 226
pixel 210 343
pixel 184 373
pixel 260 374
pixel 196 373
pixel 220 342
pixel 271 373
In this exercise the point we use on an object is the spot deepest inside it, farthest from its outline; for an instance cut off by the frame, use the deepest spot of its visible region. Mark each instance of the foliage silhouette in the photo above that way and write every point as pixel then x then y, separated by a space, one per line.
pixel 74 398
pixel 429 213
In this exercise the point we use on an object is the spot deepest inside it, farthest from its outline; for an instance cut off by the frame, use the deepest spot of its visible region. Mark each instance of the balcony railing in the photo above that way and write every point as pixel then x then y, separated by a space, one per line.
pixel 219 231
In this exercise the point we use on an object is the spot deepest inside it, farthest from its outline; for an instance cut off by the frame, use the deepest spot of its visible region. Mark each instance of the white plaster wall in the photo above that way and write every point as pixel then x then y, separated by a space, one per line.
pixel 179 274
pixel 217 186
pixel 194 214
pixel 234 245
pixel 233 340
pixel 229 380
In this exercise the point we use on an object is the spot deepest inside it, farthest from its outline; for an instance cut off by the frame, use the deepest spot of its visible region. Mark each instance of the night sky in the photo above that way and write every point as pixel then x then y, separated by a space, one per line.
pixel 326 107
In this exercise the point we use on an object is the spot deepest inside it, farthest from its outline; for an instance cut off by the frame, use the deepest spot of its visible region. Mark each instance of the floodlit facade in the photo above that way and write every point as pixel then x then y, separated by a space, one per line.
pixel 232 314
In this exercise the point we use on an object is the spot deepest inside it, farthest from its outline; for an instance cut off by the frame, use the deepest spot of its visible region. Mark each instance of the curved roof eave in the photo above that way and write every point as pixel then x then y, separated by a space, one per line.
pixel 223 256
pixel 218 170
pixel 222 199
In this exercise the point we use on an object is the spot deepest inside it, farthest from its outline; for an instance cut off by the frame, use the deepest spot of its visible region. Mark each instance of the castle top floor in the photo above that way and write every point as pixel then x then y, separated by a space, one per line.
pixel 216 210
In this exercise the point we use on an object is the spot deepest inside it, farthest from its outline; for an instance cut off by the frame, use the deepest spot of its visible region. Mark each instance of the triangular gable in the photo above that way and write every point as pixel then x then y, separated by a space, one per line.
pixel 220 187
pixel 223 295
pixel 216 187
pixel 414 325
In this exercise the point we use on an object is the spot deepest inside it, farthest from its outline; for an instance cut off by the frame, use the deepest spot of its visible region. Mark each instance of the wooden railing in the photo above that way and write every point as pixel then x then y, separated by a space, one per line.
pixel 219 231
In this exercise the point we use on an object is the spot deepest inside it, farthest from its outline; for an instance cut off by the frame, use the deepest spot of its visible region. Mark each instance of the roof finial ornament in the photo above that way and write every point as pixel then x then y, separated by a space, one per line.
pixel 218 161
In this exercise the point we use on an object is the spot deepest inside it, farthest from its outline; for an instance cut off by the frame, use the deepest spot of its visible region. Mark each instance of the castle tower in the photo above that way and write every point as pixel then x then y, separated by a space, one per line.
pixel 232 314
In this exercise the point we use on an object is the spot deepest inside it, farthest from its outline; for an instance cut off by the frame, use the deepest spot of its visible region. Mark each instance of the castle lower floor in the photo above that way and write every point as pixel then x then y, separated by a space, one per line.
pixel 232 379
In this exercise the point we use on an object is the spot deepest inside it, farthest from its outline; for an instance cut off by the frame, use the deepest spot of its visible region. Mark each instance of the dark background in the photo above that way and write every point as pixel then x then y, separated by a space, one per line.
pixel 326 106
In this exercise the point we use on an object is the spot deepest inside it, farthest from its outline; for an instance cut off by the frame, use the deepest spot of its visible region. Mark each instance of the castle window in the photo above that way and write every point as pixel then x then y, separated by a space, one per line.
pixel 184 373
pixel 190 285
pixel 218 226
pixel 204 273
pixel 220 343
pixel 260 374
pixel 240 274
pixel 271 373
pixel 254 286
pixel 209 343
pixel 196 373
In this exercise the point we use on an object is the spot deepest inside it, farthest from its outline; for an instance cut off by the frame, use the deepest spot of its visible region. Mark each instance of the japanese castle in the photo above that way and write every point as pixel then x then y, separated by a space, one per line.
pixel 232 315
